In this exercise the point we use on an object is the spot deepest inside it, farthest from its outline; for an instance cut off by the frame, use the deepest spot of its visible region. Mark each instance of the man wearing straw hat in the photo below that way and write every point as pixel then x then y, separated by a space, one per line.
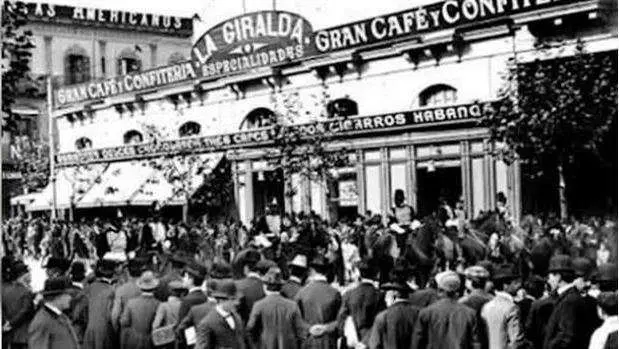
pixel 275 322
pixel 298 270
pixel 137 317
pixel 51 328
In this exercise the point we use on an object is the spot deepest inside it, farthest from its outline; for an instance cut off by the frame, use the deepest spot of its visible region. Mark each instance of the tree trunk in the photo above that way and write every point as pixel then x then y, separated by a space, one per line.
pixel 186 210
pixel 562 196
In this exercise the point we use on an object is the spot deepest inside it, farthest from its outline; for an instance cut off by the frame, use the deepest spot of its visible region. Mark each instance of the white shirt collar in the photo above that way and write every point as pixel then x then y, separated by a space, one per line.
pixel 564 288
pixel 318 277
pixel 253 274
pixel 53 309
pixel 294 278
pixel 78 285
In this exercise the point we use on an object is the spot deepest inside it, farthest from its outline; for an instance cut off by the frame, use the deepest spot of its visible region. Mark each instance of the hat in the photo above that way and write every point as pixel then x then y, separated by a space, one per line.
pixel 176 285
pixel 319 261
pixel 488 265
pixel 78 270
pixel 273 277
pixel 57 263
pixel 299 261
pixel 147 281
pixel 249 257
pixel 476 272
pixel 606 272
pixel 105 267
pixel 225 289
pixel 196 269
pixel 396 286
pixel 264 265
pixel 448 281
pixel 582 266
pixel 221 270
pixel 505 272
pixel 18 269
pixel 560 263
pixel 56 286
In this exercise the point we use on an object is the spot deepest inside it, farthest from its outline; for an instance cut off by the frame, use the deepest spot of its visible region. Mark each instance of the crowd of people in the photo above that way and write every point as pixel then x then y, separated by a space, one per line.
pixel 298 281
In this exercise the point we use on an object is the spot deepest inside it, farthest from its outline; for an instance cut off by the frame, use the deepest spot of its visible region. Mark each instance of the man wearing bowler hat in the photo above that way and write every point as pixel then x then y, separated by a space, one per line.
pixel 319 304
pixel 298 270
pixel 223 326
pixel 446 323
pixel 275 322
pixel 564 329
pixel 393 327
pixel 193 279
pixel 51 328
pixel 501 315
pixel 100 333
pixel 250 287
pixel 17 304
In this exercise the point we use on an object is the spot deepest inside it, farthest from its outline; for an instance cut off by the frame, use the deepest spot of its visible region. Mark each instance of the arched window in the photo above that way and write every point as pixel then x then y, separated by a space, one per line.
pixel 176 57
pixel 342 107
pixel 259 117
pixel 128 61
pixel 189 128
pixel 76 65
pixel 438 95
pixel 83 143
pixel 133 137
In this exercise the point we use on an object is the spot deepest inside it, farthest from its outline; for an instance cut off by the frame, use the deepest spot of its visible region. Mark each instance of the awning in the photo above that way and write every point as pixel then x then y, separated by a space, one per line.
pixel 71 182
pixel 117 184
pixel 24 199
pixel 158 189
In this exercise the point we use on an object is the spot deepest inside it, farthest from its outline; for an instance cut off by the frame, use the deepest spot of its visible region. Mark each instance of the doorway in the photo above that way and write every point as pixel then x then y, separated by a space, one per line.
pixel 268 190
pixel 434 182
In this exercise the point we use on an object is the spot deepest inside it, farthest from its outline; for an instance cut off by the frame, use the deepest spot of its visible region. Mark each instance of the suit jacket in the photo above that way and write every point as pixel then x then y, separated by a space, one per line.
pixel 446 324
pixel 393 328
pixel 122 295
pixel 79 312
pixel 565 328
pixel 423 298
pixel 290 288
pixel 213 332
pixel 251 291
pixel 320 303
pixel 363 303
pixel 162 292
pixel 191 299
pixel 49 330
pixel 136 322
pixel 18 309
pixel 275 323
pixel 196 314
pixel 476 300
pixel 167 313
pixel 501 317
pixel 100 333
pixel 537 320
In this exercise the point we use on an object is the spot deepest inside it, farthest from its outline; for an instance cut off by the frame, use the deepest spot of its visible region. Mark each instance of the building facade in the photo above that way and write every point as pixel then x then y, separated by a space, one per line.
pixel 77 44
pixel 401 92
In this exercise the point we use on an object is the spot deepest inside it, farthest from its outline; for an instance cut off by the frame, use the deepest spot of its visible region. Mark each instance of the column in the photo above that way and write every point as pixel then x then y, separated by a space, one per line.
pixel 412 175
pixel 384 183
pixel 102 70
pixel 48 55
pixel 360 182
pixel 249 191
pixel 153 55
pixel 465 166
pixel 516 204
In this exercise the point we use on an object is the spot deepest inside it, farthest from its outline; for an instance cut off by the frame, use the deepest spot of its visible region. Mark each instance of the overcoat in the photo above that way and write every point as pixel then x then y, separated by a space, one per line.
pixel 213 332
pixel 537 320
pixel 363 303
pixel 291 288
pixel 565 328
pixel 275 323
pixel 320 303
pixel 18 310
pixel 136 322
pixel 393 327
pixel 501 317
pixel 49 330
pixel 196 314
pixel 195 297
pixel 251 291
pixel 100 333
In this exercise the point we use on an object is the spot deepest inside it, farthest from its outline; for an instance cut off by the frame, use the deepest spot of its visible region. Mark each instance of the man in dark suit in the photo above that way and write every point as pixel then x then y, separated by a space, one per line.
pixel 363 302
pixel 275 322
pixel 51 328
pixel 79 303
pixel 319 304
pixel 298 270
pixel 193 279
pixel 100 332
pixel 475 282
pixel 222 327
pixel 250 287
pixel 175 272
pixel 393 327
pixel 17 304
pixel 564 329
pixel 446 323
pixel 128 290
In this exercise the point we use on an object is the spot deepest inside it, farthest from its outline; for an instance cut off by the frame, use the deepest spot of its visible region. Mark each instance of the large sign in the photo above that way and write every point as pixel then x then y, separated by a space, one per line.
pixel 339 127
pixel 433 17
pixel 252 41
pixel 140 21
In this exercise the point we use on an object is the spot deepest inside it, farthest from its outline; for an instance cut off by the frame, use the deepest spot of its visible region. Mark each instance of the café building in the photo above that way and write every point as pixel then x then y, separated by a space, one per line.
pixel 402 93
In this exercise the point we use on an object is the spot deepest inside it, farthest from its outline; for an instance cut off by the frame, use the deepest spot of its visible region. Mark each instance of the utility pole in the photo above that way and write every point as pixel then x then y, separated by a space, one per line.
pixel 50 132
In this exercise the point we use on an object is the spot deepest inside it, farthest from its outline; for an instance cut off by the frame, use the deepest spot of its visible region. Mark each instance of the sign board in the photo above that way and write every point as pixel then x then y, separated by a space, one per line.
pixel 253 40
pixel 347 193
pixel 140 21
pixel 271 38
pixel 264 136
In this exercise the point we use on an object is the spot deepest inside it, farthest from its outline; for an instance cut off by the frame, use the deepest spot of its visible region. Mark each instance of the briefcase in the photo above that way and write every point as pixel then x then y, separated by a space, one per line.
pixel 164 335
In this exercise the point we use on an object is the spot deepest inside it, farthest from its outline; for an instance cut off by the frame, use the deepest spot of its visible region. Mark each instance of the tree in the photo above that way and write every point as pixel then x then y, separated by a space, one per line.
pixel 303 149
pixel 16 55
pixel 554 111
pixel 32 161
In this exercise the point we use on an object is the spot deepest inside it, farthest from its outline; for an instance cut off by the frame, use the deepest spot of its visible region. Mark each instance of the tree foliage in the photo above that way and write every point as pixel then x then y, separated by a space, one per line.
pixel 16 54
pixel 32 161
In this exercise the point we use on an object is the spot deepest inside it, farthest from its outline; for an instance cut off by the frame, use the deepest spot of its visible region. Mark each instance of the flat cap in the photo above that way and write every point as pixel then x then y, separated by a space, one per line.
pixel 448 281
pixel 476 272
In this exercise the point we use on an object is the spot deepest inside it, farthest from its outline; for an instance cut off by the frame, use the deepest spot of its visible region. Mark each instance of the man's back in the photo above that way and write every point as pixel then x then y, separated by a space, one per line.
pixel 394 327
pixel 18 310
pixel 275 322
pixel 251 290
pixel 446 324
pixel 363 303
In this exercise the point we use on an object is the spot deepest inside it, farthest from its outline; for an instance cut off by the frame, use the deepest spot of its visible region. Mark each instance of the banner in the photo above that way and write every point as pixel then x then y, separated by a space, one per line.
pixel 264 136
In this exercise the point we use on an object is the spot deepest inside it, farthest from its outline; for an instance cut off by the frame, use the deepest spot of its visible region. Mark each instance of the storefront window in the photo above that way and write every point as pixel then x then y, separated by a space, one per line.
pixel 479 203
pixel 77 68
pixel 83 143
pixel 132 137
pixel 397 153
pixel 259 117
pixel 397 180
pixel 342 107
pixel 372 155
pixel 189 129
pixel 373 189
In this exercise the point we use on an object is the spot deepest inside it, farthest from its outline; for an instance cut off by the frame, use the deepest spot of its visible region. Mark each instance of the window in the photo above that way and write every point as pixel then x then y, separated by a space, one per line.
pixel 83 143
pixel 342 107
pixel 176 57
pixel 129 62
pixel 189 129
pixel 133 137
pixel 76 65
pixel 438 95
pixel 259 117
